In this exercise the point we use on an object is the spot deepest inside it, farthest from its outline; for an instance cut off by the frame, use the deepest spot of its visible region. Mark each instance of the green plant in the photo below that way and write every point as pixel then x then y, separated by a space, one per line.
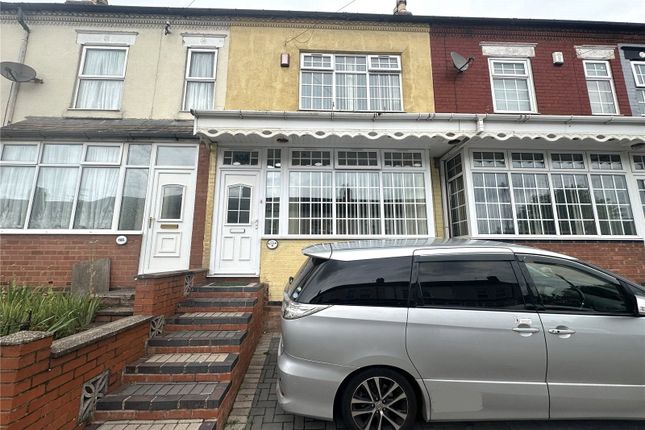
pixel 43 309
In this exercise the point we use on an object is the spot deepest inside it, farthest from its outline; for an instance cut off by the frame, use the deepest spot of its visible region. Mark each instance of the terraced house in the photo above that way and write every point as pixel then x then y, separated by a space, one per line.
pixel 310 127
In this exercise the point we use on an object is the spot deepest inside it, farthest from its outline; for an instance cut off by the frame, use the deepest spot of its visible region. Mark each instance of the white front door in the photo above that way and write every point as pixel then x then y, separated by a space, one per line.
pixel 237 242
pixel 170 225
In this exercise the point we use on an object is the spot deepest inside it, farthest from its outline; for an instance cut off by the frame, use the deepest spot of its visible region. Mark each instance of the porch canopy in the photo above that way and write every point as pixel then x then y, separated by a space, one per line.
pixel 438 132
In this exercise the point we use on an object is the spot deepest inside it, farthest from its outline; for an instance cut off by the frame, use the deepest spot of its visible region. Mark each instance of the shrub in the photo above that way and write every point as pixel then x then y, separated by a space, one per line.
pixel 42 309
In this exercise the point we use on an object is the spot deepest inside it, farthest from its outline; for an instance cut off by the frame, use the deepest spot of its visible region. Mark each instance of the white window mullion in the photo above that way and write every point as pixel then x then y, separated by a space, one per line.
pixel 118 198
pixel 554 207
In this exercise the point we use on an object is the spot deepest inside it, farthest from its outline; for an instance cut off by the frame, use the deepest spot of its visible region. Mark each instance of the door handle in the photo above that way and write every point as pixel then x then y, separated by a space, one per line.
pixel 526 329
pixel 150 220
pixel 562 331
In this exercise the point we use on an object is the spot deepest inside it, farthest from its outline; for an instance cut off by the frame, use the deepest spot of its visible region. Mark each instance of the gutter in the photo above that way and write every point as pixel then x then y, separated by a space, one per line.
pixel 15 86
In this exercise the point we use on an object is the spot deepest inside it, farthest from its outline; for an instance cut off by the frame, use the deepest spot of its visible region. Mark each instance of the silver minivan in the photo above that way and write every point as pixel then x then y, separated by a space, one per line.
pixel 382 333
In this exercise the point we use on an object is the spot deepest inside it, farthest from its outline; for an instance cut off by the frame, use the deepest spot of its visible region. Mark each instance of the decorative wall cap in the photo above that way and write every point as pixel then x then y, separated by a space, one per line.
pixel 595 52
pixel 96 37
pixel 203 40
pixel 508 49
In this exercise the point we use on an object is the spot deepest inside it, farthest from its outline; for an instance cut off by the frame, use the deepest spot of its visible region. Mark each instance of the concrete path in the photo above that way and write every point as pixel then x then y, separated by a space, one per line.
pixel 256 405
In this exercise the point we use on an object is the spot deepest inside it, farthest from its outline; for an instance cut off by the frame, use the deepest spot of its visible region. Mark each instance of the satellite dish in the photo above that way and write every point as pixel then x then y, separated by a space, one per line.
pixel 18 72
pixel 460 62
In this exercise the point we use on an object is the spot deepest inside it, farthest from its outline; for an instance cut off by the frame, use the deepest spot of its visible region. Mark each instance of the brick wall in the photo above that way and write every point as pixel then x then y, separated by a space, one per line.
pixel 560 90
pixel 201 199
pixel 41 383
pixel 623 257
pixel 42 260
pixel 161 295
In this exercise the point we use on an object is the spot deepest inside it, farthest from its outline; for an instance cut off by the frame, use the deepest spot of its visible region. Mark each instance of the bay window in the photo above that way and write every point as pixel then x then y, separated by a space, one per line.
pixel 344 192
pixel 639 170
pixel 347 82
pixel 100 78
pixel 523 193
pixel 80 187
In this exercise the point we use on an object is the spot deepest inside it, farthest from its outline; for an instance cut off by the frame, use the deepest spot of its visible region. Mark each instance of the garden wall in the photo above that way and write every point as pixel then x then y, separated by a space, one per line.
pixel 43 380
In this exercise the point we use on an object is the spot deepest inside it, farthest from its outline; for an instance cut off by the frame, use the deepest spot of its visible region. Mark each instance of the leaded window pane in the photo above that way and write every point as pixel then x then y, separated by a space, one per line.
pixel 613 205
pixel 385 92
pixel 272 203
pixel 403 159
pixel 606 162
pixel 317 90
pixel 457 207
pixel 357 158
pixel 241 158
pixel 641 191
pixel 573 204
pixel 489 159
pixel 404 204
pixel 567 161
pixel 533 204
pixel 453 166
pixel 639 162
pixel 528 160
pixel 493 203
pixel 358 203
pixel 310 203
pixel 274 158
pixel 238 210
pixel 310 158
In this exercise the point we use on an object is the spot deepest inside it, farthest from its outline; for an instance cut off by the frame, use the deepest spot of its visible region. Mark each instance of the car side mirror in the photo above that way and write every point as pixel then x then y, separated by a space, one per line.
pixel 640 305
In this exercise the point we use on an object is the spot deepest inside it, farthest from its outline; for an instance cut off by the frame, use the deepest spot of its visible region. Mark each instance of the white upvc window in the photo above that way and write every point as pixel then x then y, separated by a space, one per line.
pixel 548 194
pixel 512 85
pixel 100 78
pixel 638 68
pixel 600 86
pixel 639 171
pixel 199 85
pixel 80 187
pixel 348 82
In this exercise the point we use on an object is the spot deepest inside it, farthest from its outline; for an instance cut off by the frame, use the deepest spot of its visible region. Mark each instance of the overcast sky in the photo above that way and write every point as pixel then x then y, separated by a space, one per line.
pixel 599 10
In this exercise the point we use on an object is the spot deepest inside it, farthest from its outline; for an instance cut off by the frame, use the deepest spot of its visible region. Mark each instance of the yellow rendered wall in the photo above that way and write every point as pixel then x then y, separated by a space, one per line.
pixel 257 82
pixel 437 201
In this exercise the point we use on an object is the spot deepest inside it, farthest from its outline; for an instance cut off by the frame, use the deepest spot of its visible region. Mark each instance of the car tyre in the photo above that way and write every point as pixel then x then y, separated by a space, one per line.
pixel 378 399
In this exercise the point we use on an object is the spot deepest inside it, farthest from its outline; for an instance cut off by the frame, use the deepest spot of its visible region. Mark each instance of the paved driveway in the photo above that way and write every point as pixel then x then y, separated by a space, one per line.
pixel 256 405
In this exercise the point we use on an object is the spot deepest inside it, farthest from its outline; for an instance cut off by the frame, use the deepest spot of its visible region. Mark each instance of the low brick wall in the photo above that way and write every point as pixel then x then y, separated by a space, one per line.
pixel 626 258
pixel 41 379
pixel 47 259
pixel 160 294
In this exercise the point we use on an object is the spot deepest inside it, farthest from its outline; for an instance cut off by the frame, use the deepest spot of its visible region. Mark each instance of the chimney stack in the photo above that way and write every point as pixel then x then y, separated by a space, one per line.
pixel 401 8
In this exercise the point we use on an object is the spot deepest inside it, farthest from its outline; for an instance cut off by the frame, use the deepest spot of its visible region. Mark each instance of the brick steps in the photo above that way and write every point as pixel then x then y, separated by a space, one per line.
pixel 179 397
pixel 193 370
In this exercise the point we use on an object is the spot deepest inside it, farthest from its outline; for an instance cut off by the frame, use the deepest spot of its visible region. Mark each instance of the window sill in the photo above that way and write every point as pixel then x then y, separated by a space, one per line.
pixel 183 115
pixel 93 113
pixel 332 237
pixel 557 238
pixel 71 232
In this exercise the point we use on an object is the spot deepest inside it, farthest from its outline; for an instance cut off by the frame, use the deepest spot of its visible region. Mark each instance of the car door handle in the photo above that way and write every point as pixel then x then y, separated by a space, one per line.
pixel 561 331
pixel 526 329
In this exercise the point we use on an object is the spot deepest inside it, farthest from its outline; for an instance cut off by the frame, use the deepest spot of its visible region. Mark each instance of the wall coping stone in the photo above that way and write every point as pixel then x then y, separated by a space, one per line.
pixel 22 337
pixel 170 274
pixel 76 341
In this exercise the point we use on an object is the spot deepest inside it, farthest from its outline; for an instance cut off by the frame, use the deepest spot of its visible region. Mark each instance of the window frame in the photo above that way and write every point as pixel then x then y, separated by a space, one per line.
pixel 188 78
pixel 80 166
pixel 523 259
pixel 529 81
pixel 627 172
pixel 80 76
pixel 609 78
pixel 369 71
pixel 640 86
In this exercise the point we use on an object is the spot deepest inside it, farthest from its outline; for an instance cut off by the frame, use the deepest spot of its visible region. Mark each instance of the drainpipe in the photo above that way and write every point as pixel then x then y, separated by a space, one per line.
pixel 15 86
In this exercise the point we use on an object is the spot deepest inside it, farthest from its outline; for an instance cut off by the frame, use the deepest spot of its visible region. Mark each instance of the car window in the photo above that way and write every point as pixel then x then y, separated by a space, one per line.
pixel 567 288
pixel 469 284
pixel 373 282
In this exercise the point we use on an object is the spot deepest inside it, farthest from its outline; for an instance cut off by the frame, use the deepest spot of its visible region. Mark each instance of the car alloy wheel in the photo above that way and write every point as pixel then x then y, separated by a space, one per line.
pixel 379 400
